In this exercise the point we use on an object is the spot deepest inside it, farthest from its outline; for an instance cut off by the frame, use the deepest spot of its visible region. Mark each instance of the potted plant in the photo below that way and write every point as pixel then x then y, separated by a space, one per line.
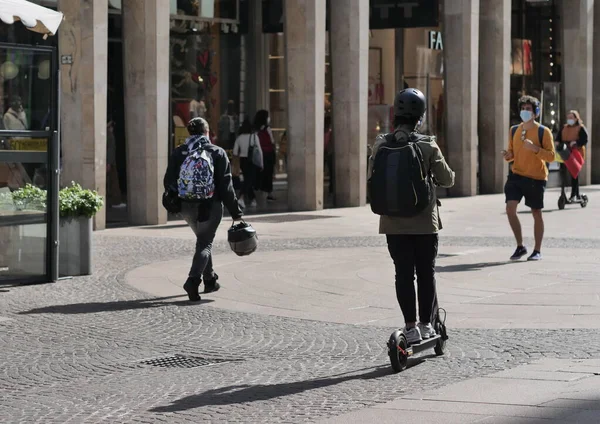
pixel 77 207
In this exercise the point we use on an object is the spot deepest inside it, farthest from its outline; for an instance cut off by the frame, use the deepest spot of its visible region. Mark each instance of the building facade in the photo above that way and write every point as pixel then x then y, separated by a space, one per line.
pixel 146 67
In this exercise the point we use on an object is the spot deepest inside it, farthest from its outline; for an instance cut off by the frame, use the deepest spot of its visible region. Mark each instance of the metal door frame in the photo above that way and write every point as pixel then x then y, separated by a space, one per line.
pixel 52 159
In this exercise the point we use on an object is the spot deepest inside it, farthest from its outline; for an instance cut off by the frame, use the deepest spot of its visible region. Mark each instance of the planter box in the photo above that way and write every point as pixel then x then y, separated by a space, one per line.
pixel 75 249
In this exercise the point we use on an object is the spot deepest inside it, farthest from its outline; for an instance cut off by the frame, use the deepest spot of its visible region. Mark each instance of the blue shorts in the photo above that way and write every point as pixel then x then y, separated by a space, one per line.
pixel 517 187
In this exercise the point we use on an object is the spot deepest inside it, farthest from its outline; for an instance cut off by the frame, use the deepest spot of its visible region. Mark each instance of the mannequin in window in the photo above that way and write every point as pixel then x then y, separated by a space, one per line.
pixel 197 109
pixel 15 118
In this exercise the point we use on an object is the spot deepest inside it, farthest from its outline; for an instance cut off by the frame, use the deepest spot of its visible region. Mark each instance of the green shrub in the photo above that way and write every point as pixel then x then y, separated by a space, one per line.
pixel 30 198
pixel 74 201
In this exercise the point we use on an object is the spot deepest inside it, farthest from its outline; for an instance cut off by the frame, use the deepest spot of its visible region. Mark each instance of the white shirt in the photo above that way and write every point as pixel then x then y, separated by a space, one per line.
pixel 242 143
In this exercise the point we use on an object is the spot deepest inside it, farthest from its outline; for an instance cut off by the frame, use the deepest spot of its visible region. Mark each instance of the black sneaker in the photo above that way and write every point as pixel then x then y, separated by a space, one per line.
pixel 191 288
pixel 519 253
pixel 211 285
pixel 535 256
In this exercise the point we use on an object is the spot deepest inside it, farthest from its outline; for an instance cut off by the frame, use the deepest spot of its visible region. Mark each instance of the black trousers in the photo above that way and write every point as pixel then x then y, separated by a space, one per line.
pixel 249 172
pixel 265 179
pixel 415 253
pixel 564 175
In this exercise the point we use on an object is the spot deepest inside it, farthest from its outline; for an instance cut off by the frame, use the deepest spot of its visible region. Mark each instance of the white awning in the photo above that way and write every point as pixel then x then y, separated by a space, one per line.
pixel 35 17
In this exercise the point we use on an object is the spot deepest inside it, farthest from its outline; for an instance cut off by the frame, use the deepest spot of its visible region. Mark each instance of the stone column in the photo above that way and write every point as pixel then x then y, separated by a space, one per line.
pixel 305 65
pixel 595 148
pixel 577 47
pixel 146 78
pixel 350 74
pixel 494 92
pixel 461 51
pixel 83 36
pixel 257 62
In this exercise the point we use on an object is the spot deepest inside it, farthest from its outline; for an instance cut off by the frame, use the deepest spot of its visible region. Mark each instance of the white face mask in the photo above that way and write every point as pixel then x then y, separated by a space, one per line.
pixel 570 122
pixel 526 115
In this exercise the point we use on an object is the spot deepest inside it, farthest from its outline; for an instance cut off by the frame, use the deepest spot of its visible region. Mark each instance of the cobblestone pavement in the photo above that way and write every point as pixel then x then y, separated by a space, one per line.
pixel 81 350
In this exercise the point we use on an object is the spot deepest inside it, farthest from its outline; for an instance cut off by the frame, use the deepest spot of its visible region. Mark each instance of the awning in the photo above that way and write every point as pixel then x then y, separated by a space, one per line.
pixel 35 17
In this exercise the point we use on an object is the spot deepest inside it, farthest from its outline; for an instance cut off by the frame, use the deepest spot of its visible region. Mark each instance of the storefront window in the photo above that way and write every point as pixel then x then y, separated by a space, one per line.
pixel 205 79
pixel 536 57
pixel 26 103
pixel 424 70
pixel 25 90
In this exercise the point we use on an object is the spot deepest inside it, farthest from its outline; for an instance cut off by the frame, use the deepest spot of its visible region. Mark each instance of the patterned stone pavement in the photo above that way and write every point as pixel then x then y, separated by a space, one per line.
pixel 81 350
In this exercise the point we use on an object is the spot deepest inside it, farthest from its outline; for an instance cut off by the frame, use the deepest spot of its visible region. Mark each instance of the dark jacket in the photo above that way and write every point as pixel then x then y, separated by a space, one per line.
pixel 224 191
pixel 428 221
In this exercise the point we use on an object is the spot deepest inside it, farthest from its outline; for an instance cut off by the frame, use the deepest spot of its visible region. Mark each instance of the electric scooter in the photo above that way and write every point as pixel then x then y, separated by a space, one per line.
pixel 399 350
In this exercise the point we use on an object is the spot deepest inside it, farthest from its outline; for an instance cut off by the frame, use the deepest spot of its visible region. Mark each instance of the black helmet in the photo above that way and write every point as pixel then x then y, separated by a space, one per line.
pixel 410 103
pixel 242 239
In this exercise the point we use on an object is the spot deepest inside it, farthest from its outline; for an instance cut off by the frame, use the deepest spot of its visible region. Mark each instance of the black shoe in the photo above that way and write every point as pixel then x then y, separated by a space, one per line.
pixel 535 256
pixel 191 288
pixel 211 285
pixel 519 253
pixel 270 198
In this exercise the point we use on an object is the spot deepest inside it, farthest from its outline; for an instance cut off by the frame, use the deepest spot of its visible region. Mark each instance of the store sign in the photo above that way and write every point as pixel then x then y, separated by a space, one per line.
pixel 403 14
pixel 434 40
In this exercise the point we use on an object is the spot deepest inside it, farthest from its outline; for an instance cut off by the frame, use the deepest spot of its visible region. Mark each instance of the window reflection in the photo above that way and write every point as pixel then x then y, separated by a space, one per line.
pixel 25 90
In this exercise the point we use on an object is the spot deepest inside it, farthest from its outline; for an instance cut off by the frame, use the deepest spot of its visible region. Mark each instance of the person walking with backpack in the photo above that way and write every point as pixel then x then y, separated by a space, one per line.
pixel 530 146
pixel 403 170
pixel 200 174
pixel 243 149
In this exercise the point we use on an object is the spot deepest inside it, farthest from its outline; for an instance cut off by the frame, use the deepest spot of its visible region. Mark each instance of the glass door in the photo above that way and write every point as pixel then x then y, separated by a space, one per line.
pixel 28 199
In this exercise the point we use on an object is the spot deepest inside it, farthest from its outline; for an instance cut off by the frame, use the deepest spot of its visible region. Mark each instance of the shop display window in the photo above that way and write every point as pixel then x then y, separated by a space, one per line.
pixel 205 79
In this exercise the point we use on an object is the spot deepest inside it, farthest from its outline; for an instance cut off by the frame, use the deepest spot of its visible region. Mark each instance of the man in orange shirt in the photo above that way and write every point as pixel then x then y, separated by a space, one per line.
pixel 530 146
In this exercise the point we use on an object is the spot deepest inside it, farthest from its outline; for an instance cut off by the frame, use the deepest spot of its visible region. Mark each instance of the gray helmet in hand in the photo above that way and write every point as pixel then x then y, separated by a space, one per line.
pixel 410 103
pixel 242 239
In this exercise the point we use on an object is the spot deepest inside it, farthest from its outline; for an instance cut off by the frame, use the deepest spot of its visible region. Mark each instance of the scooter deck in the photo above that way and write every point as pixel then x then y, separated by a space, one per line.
pixel 423 345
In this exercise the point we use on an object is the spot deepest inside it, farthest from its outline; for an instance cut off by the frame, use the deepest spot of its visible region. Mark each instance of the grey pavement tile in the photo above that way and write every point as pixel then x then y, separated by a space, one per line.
pixel 478 408
pixel 383 416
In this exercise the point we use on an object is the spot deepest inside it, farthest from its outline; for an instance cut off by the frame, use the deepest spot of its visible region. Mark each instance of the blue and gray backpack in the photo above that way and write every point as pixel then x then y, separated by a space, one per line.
pixel 197 176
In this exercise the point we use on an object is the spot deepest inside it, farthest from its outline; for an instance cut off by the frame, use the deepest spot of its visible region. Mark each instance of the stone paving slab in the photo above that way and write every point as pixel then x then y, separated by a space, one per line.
pixel 479 288
pixel 514 396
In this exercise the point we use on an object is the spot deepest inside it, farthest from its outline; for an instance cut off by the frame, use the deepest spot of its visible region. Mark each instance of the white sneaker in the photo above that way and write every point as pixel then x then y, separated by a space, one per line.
pixel 426 330
pixel 413 335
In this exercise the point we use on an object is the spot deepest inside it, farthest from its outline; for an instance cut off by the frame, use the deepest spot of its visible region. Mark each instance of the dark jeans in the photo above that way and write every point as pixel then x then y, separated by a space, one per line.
pixel 564 177
pixel 265 179
pixel 330 171
pixel 249 171
pixel 203 219
pixel 410 253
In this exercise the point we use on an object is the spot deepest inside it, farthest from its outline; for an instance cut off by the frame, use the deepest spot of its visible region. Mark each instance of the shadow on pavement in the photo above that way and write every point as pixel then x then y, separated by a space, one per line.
pixel 472 267
pixel 246 393
pixel 125 305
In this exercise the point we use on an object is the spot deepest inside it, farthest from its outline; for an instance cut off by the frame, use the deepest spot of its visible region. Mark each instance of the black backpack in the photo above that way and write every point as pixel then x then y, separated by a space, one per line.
pixel 400 184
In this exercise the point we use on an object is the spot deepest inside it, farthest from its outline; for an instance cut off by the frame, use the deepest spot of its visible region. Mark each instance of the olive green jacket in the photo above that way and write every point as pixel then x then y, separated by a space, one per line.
pixel 428 221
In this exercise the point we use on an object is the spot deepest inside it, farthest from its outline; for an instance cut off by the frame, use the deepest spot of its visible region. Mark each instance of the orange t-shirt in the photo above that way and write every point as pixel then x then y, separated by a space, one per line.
pixel 526 162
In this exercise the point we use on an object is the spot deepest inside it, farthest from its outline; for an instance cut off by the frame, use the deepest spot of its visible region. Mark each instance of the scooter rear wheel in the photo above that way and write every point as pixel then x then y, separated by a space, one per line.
pixel 584 200
pixel 397 346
